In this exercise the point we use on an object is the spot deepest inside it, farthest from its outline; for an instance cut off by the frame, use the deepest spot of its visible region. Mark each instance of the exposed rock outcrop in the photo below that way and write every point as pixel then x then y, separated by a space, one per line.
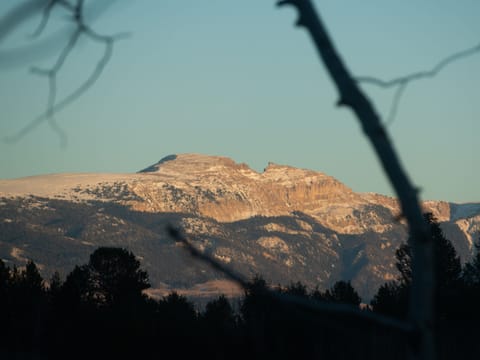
pixel 286 223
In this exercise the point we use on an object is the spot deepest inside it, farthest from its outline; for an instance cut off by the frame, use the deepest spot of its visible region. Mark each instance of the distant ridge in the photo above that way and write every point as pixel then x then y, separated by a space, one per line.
pixel 286 223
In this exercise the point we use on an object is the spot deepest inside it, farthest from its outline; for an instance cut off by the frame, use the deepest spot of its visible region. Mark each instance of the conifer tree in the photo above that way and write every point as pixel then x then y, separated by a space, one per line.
pixel 446 261
pixel 116 276
pixel 344 293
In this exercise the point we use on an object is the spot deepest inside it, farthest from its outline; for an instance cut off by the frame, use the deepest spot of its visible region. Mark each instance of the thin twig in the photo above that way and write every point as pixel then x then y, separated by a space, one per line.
pixel 288 299
pixel 67 100
pixel 62 135
pixel 45 17
pixel 402 81
pixel 421 74
pixel 53 106
pixel 395 103
pixel 18 15
pixel 176 235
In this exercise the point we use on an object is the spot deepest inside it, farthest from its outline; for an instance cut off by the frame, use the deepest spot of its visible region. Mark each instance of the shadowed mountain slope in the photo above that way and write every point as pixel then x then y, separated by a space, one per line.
pixel 285 223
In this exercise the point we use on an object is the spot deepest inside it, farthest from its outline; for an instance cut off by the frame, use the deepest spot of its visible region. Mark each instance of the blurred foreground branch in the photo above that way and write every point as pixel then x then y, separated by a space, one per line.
pixel 422 294
pixel 403 81
pixel 77 13
pixel 317 306
pixel 19 14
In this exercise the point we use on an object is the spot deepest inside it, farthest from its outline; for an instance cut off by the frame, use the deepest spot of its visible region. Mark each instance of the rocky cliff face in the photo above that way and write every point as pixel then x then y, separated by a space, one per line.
pixel 285 223
pixel 220 189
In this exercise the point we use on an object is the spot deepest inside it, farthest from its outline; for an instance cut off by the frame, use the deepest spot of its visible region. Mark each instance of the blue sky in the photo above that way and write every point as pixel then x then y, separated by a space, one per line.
pixel 237 79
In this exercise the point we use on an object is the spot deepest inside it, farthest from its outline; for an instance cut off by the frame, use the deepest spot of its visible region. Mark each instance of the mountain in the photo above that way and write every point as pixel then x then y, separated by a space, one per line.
pixel 285 223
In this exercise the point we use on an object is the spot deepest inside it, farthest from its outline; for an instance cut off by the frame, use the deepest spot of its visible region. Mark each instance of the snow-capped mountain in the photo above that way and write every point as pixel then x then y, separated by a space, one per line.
pixel 285 223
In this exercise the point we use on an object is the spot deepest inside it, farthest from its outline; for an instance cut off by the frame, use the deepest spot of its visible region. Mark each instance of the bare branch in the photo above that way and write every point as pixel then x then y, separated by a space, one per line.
pixel 42 48
pixel 395 103
pixel 77 12
pixel 288 299
pixel 421 74
pixel 18 15
pixel 402 81
pixel 67 100
pixel 179 237
pixel 422 294
pixel 45 17
pixel 66 4
pixel 62 135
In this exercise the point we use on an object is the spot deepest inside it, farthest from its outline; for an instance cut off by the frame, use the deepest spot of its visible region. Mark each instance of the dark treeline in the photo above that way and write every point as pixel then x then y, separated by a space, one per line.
pixel 101 311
